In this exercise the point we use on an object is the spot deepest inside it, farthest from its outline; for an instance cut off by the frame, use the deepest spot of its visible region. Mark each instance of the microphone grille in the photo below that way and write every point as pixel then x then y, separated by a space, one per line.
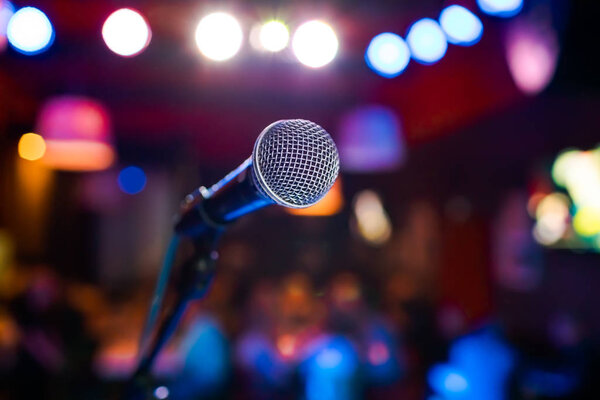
pixel 295 162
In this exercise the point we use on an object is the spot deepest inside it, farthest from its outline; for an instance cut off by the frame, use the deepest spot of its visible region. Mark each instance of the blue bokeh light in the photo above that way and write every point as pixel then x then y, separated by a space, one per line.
pixel 479 367
pixel 461 26
pixel 331 371
pixel 161 392
pixel 204 351
pixel 501 8
pixel 132 180
pixel 29 31
pixel 387 54
pixel 447 380
pixel 427 41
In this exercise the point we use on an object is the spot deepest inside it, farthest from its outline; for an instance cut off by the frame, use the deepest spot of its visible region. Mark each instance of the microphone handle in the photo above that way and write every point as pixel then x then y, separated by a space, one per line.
pixel 224 202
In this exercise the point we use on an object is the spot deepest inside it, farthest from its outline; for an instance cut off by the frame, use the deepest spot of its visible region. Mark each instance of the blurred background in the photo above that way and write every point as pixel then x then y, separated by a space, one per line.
pixel 456 257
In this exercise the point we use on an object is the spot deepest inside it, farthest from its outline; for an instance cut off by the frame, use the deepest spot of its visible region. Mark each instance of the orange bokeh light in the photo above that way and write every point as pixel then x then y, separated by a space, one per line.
pixel 331 204
pixel 31 147
pixel 78 155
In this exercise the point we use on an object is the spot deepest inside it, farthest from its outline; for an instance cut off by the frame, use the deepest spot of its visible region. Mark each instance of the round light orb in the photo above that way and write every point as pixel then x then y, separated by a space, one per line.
pixel 501 8
pixel 126 32
pixel 315 44
pixel 448 380
pixel 387 55
pixel 29 31
pixel 532 55
pixel 31 147
pixel 132 180
pixel 219 36
pixel 427 41
pixel 161 392
pixel 587 221
pixel 274 36
pixel 562 166
pixel 461 26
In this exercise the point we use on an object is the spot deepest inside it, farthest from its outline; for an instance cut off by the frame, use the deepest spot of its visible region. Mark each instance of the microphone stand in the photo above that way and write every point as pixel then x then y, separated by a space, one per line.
pixel 196 275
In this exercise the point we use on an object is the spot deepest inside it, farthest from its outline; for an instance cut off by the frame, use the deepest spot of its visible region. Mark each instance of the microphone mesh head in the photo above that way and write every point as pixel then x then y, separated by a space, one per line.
pixel 295 162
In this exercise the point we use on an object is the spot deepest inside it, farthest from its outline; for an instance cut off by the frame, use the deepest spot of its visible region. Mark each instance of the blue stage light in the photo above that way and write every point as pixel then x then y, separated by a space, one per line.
pixel 331 372
pixel 501 8
pixel 478 368
pixel 204 351
pixel 387 54
pixel 161 392
pixel 448 381
pixel 132 180
pixel 461 26
pixel 29 31
pixel 427 41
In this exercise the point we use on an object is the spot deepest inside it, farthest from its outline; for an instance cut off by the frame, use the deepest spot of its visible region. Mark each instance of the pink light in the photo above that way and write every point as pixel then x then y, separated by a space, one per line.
pixel 78 134
pixel 532 54
pixel 286 344
pixel 378 353
pixel 74 118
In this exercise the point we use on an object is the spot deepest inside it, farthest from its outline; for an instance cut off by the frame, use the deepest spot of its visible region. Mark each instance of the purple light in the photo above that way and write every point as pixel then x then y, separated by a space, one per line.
pixel 370 140
pixel 532 54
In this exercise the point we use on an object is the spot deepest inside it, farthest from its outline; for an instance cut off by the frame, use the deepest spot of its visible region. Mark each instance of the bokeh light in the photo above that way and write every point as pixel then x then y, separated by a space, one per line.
pixel 331 372
pixel 587 221
pixel 427 41
pixel 132 180
pixel 370 139
pixel 561 166
pixel 331 204
pixel 447 380
pixel 29 31
pixel 583 179
pixel 579 173
pixel 219 36
pixel 532 56
pixel 387 54
pixel 204 350
pixel 315 44
pixel 78 155
pixel 378 353
pixel 461 26
pixel 501 8
pixel 126 32
pixel 78 134
pixel 286 344
pixel 6 12
pixel 31 146
pixel 161 392
pixel 479 367
pixel 274 36
pixel 552 215
pixel 372 221
pixel 556 204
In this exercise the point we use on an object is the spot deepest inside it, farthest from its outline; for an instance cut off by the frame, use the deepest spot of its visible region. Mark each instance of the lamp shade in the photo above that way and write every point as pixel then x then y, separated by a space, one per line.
pixel 78 134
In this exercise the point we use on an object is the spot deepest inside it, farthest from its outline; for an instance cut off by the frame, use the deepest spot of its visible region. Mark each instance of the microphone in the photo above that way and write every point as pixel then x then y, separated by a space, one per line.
pixel 294 164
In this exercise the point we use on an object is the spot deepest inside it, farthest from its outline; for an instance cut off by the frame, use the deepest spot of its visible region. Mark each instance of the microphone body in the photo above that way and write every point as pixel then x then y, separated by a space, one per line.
pixel 233 196
pixel 294 163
